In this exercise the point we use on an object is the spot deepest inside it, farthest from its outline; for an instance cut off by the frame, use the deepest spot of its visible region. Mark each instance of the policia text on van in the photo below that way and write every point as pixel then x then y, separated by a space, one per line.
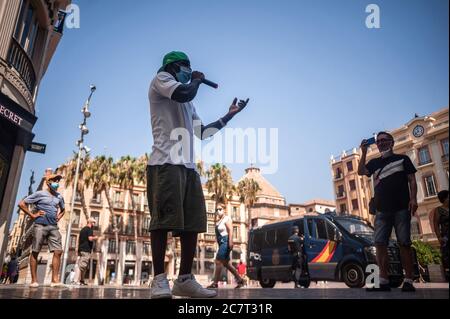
pixel 337 247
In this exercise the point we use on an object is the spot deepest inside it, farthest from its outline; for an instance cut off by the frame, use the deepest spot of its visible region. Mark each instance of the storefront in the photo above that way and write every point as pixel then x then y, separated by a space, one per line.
pixel 16 125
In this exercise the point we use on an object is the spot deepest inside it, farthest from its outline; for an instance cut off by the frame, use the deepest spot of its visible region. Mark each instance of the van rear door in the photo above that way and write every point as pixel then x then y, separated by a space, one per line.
pixel 323 252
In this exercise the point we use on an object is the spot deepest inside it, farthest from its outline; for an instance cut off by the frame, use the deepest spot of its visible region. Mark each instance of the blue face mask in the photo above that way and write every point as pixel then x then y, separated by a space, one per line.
pixel 54 186
pixel 184 76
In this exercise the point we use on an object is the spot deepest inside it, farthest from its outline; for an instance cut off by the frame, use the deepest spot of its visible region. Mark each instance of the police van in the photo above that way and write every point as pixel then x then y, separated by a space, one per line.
pixel 338 248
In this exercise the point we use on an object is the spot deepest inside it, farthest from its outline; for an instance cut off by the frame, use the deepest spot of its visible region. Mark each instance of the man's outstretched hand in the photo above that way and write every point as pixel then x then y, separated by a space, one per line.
pixel 235 109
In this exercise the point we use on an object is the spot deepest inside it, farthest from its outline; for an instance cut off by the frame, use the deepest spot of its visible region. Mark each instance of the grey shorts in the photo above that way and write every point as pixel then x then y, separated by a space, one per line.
pixel 400 221
pixel 49 233
pixel 175 199
pixel 83 261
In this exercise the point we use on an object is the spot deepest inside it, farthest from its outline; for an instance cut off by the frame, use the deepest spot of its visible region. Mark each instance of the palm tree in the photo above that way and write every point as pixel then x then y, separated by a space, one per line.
pixel 102 178
pixel 127 168
pixel 201 168
pixel 247 190
pixel 219 182
pixel 69 169
pixel 140 175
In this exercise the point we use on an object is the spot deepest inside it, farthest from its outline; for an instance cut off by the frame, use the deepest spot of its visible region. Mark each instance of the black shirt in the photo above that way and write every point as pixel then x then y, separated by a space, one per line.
pixel 391 182
pixel 84 244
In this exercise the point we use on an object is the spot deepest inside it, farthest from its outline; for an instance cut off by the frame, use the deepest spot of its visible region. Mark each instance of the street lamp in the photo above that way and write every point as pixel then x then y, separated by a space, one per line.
pixel 81 148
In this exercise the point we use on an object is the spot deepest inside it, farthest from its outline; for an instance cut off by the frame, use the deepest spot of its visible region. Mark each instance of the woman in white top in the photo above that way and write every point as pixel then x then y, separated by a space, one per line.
pixel 224 236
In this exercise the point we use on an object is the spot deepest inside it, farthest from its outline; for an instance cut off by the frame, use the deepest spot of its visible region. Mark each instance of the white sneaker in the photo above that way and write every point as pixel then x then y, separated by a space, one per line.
pixel 160 288
pixel 191 288
pixel 57 285
pixel 34 285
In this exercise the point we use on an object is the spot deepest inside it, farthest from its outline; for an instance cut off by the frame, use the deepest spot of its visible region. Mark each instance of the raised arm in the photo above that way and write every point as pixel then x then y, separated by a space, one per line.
pixel 186 92
pixel 209 130
pixel 362 169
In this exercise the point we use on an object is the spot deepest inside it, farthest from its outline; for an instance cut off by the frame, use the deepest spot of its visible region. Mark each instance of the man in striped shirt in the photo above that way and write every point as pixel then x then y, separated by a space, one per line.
pixel 395 202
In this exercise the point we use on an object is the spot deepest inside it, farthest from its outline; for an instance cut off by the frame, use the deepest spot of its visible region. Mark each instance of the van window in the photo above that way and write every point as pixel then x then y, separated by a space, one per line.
pixel 258 238
pixel 331 230
pixel 321 229
pixel 270 238
pixel 311 227
pixel 283 236
pixel 301 226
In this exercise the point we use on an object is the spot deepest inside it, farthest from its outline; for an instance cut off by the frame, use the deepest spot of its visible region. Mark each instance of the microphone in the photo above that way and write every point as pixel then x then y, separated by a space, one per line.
pixel 210 83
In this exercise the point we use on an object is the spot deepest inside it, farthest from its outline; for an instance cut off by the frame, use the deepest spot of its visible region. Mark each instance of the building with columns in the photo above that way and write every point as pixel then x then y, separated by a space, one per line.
pixel 28 40
pixel 425 140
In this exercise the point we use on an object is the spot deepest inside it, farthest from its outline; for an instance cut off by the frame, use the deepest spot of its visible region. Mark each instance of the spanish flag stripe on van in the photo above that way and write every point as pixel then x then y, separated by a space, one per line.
pixel 326 254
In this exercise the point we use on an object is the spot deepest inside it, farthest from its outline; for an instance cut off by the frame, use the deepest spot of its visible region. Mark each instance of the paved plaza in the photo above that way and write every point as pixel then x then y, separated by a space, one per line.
pixel 281 291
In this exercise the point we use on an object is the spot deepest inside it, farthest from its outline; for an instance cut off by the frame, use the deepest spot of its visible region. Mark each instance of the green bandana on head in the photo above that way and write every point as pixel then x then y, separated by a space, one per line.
pixel 173 56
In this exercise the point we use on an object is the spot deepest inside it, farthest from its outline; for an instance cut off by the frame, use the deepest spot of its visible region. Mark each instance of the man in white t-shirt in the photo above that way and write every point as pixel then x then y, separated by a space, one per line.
pixel 174 189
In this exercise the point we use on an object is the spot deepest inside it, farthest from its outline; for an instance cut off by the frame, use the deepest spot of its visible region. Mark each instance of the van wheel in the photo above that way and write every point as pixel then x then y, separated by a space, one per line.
pixel 353 275
pixel 267 283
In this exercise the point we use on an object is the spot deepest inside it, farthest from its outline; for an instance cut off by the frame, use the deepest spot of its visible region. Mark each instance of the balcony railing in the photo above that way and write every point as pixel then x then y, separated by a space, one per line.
pixel 118 204
pixel 340 195
pixel 444 158
pixel 19 60
pixel 209 237
pixel 96 202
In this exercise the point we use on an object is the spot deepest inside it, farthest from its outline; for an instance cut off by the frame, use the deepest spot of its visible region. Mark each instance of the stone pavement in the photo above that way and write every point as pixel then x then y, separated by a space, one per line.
pixel 281 291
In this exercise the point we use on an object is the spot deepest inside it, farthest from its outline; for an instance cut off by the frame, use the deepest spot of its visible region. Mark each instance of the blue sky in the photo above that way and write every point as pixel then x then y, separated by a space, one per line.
pixel 311 69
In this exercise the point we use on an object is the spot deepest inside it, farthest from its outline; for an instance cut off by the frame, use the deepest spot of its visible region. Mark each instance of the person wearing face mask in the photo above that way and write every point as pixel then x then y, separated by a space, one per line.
pixel 175 194
pixel 50 209
pixel 395 203
pixel 224 236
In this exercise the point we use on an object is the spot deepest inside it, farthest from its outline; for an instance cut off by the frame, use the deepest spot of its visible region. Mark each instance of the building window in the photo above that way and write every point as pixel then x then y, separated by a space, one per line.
pixel 338 173
pixel 235 214
pixel 352 185
pixel 430 186
pixel 211 228
pixel 73 242
pixel 210 207
pixel 27 28
pixel 343 208
pixel 111 246
pixel 444 145
pixel 130 247
pixel 146 248
pixel 235 233
pixel 136 201
pixel 130 225
pixel 96 216
pixel 76 219
pixel 350 166
pixel 340 192
pixel 146 225
pixel 97 198
pixel 355 205
pixel 424 155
